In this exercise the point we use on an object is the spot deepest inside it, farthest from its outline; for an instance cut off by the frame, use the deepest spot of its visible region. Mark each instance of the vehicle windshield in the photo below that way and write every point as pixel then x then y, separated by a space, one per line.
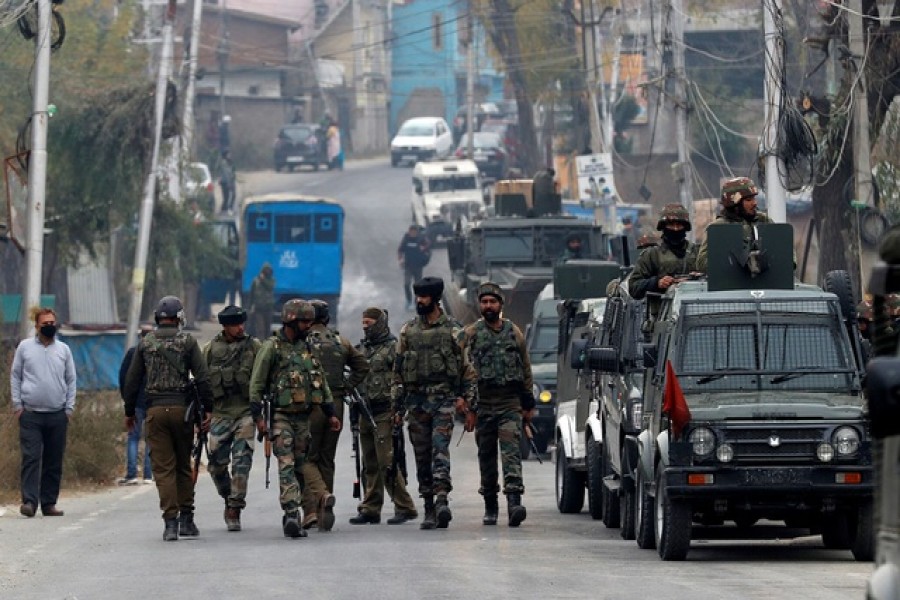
pixel 416 130
pixel 544 342
pixel 452 183
pixel 509 245
pixel 297 134
pixel 770 354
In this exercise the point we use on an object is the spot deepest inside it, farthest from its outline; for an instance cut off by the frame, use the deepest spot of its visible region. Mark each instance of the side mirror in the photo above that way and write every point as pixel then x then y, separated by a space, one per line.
pixel 417 186
pixel 650 357
pixel 603 359
pixel 883 384
pixel 576 354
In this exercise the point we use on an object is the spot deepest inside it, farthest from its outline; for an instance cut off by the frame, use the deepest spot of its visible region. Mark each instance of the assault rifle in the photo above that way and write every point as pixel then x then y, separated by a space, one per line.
pixel 528 430
pixel 194 415
pixel 267 436
pixel 358 405
pixel 398 462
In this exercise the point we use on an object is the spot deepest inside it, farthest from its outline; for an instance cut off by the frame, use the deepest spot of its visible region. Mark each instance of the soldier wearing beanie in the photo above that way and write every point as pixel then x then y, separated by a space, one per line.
pixel 380 348
pixel 229 356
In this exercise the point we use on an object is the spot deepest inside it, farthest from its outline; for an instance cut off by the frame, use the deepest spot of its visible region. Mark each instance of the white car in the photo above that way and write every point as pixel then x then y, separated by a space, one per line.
pixel 420 139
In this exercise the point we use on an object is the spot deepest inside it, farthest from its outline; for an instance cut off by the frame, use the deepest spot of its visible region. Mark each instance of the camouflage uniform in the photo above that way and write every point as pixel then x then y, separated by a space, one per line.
pixel 433 371
pixel 333 352
pixel 232 430
pixel 734 191
pixel 262 303
pixel 504 389
pixel 380 348
pixel 166 359
pixel 292 375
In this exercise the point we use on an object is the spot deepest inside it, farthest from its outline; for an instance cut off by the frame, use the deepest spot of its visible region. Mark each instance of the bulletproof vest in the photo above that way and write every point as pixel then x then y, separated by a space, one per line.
pixel 381 365
pixel 230 367
pixel 298 380
pixel 165 360
pixel 496 356
pixel 431 355
pixel 328 350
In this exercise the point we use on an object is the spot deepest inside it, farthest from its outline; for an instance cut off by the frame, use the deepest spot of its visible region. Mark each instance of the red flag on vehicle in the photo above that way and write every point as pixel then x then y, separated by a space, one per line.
pixel 674 403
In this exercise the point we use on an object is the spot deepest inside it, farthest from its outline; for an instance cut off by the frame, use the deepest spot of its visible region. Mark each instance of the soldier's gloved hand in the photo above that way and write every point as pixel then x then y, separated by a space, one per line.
pixel 129 424
pixel 205 423
pixel 527 415
pixel 471 421
pixel 335 423
pixel 461 405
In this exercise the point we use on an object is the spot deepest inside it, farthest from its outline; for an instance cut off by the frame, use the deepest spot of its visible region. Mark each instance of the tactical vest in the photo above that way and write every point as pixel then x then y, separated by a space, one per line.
pixel 230 366
pixel 165 360
pixel 298 379
pixel 496 356
pixel 330 353
pixel 381 366
pixel 431 355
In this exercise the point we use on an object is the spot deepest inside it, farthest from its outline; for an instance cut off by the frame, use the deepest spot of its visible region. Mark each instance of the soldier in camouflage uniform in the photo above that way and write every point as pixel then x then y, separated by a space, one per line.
pixel 166 359
pixel 380 347
pixel 657 266
pixel 738 202
pixel 497 350
pixel 286 369
pixel 334 353
pixel 432 377
pixel 229 356
pixel 262 302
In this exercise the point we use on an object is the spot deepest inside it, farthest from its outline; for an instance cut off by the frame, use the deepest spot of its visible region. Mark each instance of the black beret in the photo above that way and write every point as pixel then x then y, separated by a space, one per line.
pixel 232 315
pixel 429 286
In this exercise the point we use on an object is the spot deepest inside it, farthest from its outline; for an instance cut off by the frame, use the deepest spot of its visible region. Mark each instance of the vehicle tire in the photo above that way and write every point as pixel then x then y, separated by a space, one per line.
pixel 837 531
pixel 644 521
pixel 278 167
pixel 627 507
pixel 569 485
pixel 872 225
pixel 315 166
pixel 290 168
pixel 594 478
pixel 863 546
pixel 610 499
pixel 839 284
pixel 673 523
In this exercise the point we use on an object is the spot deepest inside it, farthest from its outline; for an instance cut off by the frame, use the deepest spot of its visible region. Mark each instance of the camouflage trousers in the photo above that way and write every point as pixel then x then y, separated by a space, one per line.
pixel 377 451
pixel 231 442
pixel 291 438
pixel 430 429
pixel 503 428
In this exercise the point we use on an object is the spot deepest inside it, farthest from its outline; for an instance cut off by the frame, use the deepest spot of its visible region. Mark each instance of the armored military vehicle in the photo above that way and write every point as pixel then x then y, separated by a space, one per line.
pixel 516 248
pixel 541 339
pixel 753 404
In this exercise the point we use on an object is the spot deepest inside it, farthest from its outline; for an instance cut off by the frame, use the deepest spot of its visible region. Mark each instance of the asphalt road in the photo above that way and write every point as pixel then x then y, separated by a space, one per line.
pixel 109 544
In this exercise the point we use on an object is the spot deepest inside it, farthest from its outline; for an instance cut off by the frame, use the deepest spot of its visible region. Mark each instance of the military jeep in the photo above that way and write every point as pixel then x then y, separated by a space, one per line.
pixel 753 405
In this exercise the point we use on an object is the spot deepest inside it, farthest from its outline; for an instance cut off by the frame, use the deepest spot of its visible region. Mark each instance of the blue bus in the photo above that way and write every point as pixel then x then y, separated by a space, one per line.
pixel 302 238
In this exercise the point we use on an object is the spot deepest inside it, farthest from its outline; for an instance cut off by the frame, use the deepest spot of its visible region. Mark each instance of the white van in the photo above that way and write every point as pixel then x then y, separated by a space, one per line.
pixel 444 194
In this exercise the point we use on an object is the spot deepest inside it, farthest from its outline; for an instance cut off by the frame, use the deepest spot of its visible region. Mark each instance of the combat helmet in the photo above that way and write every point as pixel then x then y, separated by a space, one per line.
pixel 736 189
pixel 489 288
pixel 673 213
pixel 297 309
pixel 169 307
pixel 322 312
pixel 232 315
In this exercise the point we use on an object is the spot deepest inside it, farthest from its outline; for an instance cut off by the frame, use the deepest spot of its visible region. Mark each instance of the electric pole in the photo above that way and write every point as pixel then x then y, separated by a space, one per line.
pixel 222 51
pixel 681 171
pixel 862 169
pixel 37 169
pixel 189 125
pixel 145 220
pixel 470 83
pixel 774 79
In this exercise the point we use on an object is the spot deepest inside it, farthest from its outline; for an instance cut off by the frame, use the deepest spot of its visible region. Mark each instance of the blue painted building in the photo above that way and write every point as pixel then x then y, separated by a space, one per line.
pixel 428 72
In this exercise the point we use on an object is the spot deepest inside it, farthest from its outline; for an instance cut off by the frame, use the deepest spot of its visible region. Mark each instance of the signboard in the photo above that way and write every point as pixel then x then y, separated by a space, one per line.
pixel 596 185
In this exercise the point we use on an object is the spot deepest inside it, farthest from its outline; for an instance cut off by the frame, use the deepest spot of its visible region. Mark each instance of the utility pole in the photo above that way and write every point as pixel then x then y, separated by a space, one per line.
pixel 222 51
pixel 145 220
pixel 862 169
pixel 681 171
pixel 593 83
pixel 470 82
pixel 188 124
pixel 774 79
pixel 37 169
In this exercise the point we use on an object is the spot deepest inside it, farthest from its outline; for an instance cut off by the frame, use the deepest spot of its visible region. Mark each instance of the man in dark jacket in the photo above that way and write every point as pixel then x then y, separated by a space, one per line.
pixel 140 413
pixel 413 253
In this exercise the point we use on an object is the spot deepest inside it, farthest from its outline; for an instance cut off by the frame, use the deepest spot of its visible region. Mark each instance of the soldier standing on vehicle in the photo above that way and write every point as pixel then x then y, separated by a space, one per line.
pixel 229 356
pixel 286 369
pixel 167 359
pixel 432 377
pixel 335 353
pixel 498 352
pixel 738 202
pixel 262 302
pixel 657 267
pixel 380 347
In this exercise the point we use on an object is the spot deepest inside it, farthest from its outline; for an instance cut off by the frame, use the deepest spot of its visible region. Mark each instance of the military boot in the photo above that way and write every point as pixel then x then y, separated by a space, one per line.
pixel 430 520
pixel 442 512
pixel 233 519
pixel 171 532
pixel 186 526
pixel 290 524
pixel 491 508
pixel 515 509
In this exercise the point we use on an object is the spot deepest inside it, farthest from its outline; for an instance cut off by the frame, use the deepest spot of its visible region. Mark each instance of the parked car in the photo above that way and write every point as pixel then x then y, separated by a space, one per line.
pixel 483 111
pixel 299 144
pixel 488 153
pixel 421 138
pixel 508 129
pixel 199 185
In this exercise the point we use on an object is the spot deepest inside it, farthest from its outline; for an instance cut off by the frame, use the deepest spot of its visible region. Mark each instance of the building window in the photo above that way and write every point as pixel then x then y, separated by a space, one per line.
pixel 437 36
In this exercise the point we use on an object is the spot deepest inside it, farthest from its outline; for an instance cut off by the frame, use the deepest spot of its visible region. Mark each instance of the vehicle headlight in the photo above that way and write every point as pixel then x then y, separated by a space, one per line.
pixel 845 440
pixel 725 453
pixel 637 411
pixel 825 452
pixel 545 396
pixel 703 441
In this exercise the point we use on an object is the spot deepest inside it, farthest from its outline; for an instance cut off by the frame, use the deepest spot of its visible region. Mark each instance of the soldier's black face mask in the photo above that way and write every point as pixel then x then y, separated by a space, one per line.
pixel 674 238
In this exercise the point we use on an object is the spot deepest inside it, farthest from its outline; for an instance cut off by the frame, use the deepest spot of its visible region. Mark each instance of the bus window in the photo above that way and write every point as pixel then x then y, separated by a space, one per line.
pixel 259 227
pixel 326 228
pixel 292 229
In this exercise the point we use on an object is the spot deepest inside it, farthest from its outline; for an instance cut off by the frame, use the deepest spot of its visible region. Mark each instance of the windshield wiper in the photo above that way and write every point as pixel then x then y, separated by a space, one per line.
pixel 722 373
pixel 787 377
pixel 800 372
